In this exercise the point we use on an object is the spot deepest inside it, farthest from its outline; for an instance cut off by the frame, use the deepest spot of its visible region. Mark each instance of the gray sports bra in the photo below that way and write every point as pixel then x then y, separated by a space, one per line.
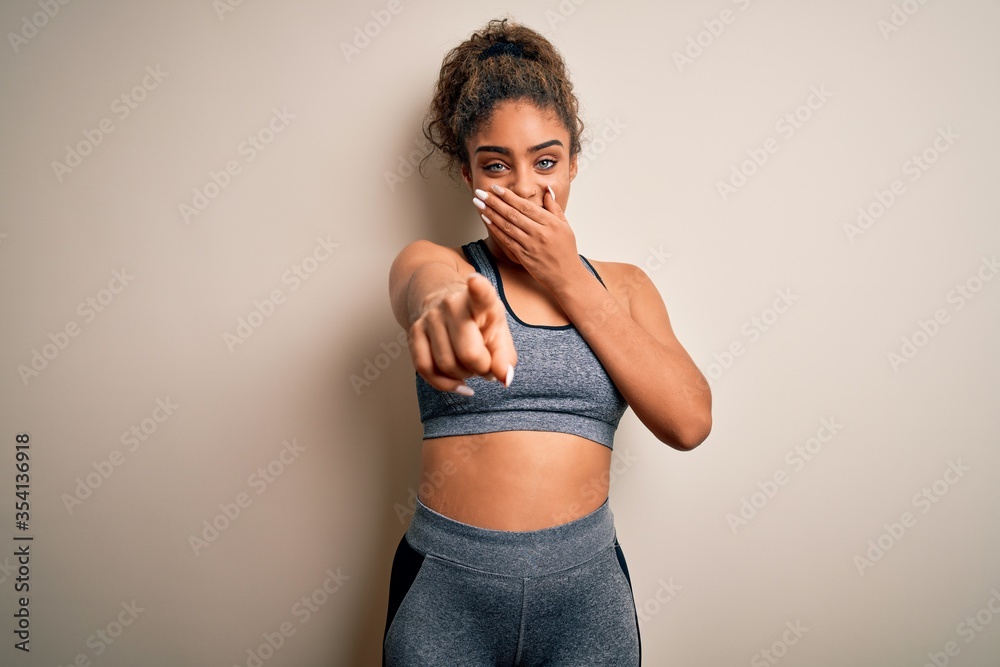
pixel 559 384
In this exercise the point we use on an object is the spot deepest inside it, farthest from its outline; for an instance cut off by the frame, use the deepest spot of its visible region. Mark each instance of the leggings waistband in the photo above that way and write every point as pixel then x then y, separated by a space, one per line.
pixel 512 553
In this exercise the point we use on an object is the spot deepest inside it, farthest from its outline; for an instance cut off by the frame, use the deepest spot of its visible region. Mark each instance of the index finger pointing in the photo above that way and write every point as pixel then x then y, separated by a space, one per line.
pixel 491 316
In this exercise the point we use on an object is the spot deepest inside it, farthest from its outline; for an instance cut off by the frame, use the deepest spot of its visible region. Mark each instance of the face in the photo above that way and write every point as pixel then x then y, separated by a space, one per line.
pixel 524 149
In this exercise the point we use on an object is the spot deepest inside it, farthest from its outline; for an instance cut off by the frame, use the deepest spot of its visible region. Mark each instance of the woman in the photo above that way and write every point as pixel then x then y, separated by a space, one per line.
pixel 511 557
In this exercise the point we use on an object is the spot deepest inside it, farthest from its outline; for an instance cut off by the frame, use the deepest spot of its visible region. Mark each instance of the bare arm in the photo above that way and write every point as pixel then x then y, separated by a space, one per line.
pixel 456 325
pixel 642 355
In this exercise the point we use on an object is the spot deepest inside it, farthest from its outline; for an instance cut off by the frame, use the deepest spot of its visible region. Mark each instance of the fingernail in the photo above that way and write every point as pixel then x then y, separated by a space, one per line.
pixel 490 377
pixel 479 203
pixel 497 189
pixel 482 194
pixel 552 193
pixel 488 222
pixel 476 273
pixel 510 376
pixel 464 390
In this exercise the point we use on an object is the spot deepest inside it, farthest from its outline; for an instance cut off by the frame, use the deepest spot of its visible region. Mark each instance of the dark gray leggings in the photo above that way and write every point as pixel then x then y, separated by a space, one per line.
pixel 464 595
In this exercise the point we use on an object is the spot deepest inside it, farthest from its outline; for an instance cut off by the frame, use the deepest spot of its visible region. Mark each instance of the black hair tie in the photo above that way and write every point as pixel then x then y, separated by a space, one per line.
pixel 502 48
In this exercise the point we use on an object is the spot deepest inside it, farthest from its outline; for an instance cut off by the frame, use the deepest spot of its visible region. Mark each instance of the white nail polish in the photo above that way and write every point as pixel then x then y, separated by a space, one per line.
pixel 510 376
pixel 482 194
pixel 552 193
pixel 487 220
pixel 464 390
pixel 479 203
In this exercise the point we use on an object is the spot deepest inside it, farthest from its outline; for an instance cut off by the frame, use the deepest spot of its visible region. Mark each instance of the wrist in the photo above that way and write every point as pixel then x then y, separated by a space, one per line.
pixel 429 285
pixel 568 281
pixel 434 297
pixel 431 299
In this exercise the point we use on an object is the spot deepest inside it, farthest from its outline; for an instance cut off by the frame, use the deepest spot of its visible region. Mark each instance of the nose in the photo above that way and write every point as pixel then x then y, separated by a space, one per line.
pixel 525 184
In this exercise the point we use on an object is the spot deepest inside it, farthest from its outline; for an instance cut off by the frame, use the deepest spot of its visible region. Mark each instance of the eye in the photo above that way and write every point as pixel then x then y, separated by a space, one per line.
pixel 550 161
pixel 490 167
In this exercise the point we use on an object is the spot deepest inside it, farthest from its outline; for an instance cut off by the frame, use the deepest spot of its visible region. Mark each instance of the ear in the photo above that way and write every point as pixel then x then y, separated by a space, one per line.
pixel 573 166
pixel 467 175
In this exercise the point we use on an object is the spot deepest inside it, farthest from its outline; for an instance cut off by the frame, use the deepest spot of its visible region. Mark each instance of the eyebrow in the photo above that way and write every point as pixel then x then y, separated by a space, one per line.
pixel 507 151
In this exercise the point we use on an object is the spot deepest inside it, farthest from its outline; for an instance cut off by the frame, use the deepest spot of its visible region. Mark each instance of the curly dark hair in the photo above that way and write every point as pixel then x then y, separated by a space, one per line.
pixel 502 61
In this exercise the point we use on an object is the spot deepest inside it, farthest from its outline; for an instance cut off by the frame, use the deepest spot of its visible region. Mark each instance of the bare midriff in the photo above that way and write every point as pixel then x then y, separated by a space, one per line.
pixel 514 480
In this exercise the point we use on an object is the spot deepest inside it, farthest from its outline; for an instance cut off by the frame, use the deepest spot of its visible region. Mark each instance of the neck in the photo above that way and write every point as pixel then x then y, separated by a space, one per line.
pixel 500 254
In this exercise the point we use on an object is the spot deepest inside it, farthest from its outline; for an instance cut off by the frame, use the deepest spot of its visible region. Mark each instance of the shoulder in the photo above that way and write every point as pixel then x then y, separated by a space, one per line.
pixel 640 297
pixel 421 251
pixel 625 281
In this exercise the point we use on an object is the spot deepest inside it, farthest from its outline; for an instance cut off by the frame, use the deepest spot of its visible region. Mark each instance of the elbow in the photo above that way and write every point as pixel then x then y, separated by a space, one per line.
pixel 689 435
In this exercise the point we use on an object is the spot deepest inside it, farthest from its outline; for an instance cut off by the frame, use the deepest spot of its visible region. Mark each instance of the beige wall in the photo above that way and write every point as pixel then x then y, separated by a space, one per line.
pixel 777 269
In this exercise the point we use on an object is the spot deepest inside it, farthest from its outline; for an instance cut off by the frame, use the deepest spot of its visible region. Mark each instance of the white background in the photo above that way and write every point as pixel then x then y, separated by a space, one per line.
pixel 649 190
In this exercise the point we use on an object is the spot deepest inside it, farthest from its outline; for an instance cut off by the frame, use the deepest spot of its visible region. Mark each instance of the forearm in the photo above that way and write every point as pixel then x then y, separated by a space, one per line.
pixel 661 383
